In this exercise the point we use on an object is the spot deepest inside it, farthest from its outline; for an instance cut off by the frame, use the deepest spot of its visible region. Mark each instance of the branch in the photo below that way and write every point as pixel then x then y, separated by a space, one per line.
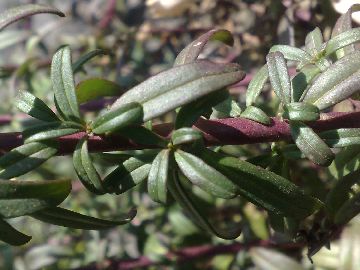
pixel 229 131
pixel 191 253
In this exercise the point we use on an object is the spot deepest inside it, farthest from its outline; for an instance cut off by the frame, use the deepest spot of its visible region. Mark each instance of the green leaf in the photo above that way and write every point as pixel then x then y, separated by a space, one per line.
pixel 50 130
pixel 227 108
pixel 183 198
pixel 179 86
pixel 25 158
pixel 20 198
pixel 158 177
pixel 256 114
pixel 17 13
pixel 262 187
pixel 192 51
pixel 67 218
pixel 256 85
pixel 342 40
pixel 35 107
pixel 341 137
pixel 143 136
pixel 337 83
pixel 301 81
pixel 310 144
pixel 94 88
pixel 115 119
pixel 204 176
pixel 301 111
pixel 348 210
pixel 191 112
pixel 185 135
pixel 63 84
pixel 77 66
pixel 346 161
pixel 130 173
pixel 340 193
pixel 292 53
pixel 313 42
pixel 344 23
pixel 279 76
pixel 85 169
pixel 11 236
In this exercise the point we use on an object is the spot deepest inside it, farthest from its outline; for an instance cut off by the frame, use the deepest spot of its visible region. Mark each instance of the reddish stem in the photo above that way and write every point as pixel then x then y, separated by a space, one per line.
pixel 229 131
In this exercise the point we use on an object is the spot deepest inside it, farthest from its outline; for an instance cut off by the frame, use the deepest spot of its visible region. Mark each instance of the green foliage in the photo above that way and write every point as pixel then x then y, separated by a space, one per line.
pixel 177 166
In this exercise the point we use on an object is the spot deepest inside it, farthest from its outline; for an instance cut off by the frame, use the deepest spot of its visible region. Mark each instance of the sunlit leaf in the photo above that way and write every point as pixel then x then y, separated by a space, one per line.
pixel 256 114
pixel 191 52
pixel 25 158
pixel 301 111
pixel 50 130
pixel 85 169
pixel 341 137
pixel 180 85
pixel 204 176
pixel 63 84
pixel 314 41
pixel 310 144
pixel 17 13
pixel 301 81
pixel 291 53
pixel 279 76
pixel 342 40
pixel 158 177
pixel 185 135
pixel 20 198
pixel 112 120
pixel 35 107
pixel 337 83
pixel 256 85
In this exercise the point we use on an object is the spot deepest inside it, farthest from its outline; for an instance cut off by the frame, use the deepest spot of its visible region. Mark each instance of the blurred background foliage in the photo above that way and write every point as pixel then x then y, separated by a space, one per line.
pixel 144 38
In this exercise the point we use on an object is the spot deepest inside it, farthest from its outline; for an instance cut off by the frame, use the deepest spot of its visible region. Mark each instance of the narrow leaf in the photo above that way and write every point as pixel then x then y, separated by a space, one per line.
pixel 301 81
pixel 227 108
pixel 85 169
pixel 291 53
pixel 63 84
pixel 191 52
pixel 185 135
pixel 67 218
pixel 262 187
pixel 279 76
pixel 341 137
pixel 183 198
pixel 191 112
pixel 158 177
pixel 313 42
pixel 77 66
pixel 113 120
pixel 25 158
pixel 35 107
pixel 11 236
pixel 95 88
pixel 143 136
pixel 179 86
pixel 18 199
pixel 50 130
pixel 256 114
pixel 337 83
pixel 204 176
pixel 17 13
pixel 130 173
pixel 301 111
pixel 310 144
pixel 340 193
pixel 256 85
pixel 348 210
pixel 342 40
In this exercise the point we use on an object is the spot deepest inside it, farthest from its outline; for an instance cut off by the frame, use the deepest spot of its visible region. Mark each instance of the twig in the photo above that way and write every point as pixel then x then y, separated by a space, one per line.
pixel 229 131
